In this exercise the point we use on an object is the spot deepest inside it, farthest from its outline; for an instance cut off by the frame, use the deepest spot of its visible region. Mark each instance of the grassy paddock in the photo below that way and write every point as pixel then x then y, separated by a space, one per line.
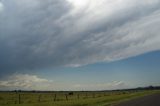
pixel 67 99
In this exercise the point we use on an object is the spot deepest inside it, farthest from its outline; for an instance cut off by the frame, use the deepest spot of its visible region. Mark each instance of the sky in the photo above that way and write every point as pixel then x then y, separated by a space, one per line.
pixel 79 44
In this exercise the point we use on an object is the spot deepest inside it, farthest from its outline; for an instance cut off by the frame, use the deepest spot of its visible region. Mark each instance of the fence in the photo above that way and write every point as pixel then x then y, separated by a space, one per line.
pixel 22 98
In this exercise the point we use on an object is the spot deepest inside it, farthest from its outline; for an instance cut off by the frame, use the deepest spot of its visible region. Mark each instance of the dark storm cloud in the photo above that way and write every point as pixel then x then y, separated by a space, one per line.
pixel 39 34
pixel 26 31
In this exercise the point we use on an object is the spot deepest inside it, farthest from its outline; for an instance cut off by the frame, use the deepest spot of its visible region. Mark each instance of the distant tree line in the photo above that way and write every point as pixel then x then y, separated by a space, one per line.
pixel 71 93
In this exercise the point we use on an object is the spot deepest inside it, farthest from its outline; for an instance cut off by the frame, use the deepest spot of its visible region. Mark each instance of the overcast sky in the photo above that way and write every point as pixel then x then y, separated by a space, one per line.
pixel 43 40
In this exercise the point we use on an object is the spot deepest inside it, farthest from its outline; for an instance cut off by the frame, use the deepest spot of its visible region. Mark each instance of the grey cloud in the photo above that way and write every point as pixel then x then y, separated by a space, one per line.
pixel 40 34
pixel 27 30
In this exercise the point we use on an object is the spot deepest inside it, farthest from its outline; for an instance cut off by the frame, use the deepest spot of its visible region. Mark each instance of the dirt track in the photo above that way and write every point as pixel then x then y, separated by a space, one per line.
pixel 152 100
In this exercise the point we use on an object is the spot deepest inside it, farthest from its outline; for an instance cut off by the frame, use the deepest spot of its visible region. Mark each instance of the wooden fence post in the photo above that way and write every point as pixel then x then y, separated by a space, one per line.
pixel 39 98
pixel 55 96
pixel 66 97
pixel 19 98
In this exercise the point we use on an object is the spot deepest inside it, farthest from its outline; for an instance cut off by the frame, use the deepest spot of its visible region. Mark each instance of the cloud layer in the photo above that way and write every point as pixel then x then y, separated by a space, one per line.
pixel 25 82
pixel 41 34
pixel 33 82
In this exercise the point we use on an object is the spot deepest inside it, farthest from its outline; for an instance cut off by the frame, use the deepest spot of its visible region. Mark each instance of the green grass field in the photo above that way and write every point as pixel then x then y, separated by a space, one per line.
pixel 64 99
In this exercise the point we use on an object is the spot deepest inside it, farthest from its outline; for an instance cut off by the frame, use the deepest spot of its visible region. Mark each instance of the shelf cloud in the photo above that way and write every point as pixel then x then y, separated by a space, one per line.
pixel 38 34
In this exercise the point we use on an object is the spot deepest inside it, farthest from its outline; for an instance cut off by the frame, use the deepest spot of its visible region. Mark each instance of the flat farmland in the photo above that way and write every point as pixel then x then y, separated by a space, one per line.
pixel 101 98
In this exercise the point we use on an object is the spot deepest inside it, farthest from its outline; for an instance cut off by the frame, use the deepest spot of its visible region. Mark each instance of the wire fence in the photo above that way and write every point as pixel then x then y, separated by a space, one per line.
pixel 23 98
